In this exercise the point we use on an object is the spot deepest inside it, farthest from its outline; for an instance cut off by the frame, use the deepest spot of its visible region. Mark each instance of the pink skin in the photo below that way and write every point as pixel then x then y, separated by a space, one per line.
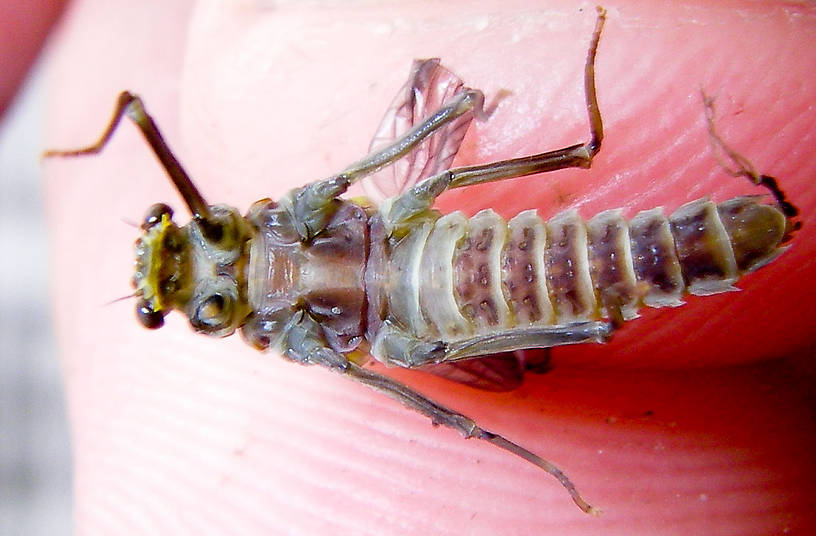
pixel 25 25
pixel 175 432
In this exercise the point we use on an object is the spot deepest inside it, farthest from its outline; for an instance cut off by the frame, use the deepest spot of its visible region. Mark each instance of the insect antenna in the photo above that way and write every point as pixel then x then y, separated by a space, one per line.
pixel 130 223
pixel 122 298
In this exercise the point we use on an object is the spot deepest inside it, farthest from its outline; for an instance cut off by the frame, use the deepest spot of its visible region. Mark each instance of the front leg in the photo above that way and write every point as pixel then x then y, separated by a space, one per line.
pixel 131 106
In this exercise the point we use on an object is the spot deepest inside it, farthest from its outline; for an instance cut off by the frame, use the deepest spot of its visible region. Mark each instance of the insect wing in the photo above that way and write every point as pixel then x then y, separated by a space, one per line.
pixel 495 372
pixel 498 372
pixel 429 87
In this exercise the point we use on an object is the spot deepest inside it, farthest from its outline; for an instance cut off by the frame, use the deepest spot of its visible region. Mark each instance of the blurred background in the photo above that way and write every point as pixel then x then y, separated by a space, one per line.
pixel 35 458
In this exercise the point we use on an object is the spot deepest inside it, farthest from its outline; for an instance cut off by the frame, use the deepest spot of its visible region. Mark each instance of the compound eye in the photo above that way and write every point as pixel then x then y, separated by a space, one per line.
pixel 147 316
pixel 154 215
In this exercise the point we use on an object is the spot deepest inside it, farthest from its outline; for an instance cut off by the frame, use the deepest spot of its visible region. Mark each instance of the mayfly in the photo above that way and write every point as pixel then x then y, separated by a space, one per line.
pixel 330 281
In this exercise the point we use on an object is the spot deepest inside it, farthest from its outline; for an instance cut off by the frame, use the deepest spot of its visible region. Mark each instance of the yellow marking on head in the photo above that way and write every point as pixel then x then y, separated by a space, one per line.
pixel 152 241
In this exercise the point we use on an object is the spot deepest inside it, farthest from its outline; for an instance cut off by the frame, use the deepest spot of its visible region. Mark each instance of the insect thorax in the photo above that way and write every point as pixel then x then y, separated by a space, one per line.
pixel 322 276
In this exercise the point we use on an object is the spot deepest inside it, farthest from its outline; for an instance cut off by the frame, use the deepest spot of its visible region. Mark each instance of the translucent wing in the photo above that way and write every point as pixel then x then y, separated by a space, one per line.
pixel 495 372
pixel 429 87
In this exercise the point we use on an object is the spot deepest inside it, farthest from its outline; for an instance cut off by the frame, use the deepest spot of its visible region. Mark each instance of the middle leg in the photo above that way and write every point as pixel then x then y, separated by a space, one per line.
pixel 422 196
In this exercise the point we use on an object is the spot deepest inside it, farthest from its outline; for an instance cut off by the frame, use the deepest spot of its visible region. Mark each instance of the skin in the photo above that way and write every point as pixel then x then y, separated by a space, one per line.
pixel 25 26
pixel 693 420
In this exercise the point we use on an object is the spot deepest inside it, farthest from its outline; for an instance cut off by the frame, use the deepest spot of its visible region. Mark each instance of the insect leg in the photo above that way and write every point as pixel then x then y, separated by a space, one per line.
pixel 132 106
pixel 421 196
pixel 464 425
pixel 469 100
pixel 394 346
pixel 313 204
pixel 743 168
pixel 302 341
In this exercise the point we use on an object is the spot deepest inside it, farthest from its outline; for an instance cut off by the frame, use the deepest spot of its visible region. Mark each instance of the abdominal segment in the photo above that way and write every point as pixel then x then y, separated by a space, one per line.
pixel 458 277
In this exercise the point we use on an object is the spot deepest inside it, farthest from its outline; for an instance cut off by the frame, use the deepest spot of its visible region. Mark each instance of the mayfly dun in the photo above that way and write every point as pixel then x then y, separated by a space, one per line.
pixel 329 281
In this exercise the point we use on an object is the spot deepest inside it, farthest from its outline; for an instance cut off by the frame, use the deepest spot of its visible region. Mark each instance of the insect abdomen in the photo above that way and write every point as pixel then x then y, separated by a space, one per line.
pixel 476 275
